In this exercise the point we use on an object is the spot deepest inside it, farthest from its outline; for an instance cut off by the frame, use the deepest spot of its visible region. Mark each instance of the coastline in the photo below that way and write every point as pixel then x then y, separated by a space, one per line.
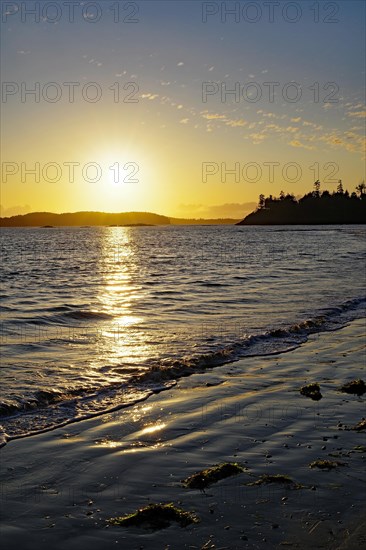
pixel 60 487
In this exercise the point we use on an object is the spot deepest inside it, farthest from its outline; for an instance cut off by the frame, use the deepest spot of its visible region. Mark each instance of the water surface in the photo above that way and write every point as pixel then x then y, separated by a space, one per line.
pixel 98 317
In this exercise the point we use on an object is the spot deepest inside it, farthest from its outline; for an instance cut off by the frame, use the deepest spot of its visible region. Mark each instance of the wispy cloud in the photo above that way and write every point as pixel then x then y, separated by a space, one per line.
pixel 213 116
pixel 236 123
pixel 233 210
pixel 357 114
pixel 297 143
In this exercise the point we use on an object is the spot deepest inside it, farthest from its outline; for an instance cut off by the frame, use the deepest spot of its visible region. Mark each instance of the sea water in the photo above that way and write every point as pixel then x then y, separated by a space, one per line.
pixel 97 318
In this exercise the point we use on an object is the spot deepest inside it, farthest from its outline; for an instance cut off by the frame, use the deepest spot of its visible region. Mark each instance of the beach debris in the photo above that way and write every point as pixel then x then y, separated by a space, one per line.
pixel 326 464
pixel 276 478
pixel 360 426
pixel 208 545
pixel 360 448
pixel 155 516
pixel 356 387
pixel 204 478
pixel 312 391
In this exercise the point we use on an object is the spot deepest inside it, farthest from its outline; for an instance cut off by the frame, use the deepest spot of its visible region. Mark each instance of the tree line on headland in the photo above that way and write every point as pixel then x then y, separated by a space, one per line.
pixel 314 208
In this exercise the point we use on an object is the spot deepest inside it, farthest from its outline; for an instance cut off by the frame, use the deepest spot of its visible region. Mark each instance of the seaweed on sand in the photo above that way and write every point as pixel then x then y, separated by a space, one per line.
pixel 326 464
pixel 360 426
pixel 202 479
pixel 277 478
pixel 356 387
pixel 155 516
pixel 312 391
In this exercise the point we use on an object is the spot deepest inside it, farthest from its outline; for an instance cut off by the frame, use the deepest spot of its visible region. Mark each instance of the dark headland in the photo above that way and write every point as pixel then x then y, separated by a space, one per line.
pixel 314 208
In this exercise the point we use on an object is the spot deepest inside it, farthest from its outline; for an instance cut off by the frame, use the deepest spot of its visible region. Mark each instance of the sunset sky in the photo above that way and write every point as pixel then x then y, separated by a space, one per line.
pixel 161 62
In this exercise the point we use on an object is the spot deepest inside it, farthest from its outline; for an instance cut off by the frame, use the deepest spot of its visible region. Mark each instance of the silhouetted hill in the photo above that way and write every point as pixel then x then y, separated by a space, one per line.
pixel 49 219
pixel 35 219
pixel 314 208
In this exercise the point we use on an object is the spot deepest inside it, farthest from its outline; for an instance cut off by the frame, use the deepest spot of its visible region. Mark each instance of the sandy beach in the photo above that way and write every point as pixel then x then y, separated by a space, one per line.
pixel 60 487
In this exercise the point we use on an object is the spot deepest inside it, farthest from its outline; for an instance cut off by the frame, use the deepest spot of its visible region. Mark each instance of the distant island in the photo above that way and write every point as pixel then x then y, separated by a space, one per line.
pixel 88 219
pixel 47 219
pixel 314 208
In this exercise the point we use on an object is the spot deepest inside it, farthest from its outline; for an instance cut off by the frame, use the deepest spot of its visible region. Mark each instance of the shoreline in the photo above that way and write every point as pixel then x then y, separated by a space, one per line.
pixel 59 487
pixel 145 385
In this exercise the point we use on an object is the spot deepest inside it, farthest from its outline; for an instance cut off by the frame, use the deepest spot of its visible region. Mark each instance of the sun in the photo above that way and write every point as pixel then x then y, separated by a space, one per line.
pixel 128 177
pixel 112 167
pixel 123 172
pixel 120 168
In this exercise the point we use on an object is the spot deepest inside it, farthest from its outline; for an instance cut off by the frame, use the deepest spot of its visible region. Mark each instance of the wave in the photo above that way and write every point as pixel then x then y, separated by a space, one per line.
pixel 80 315
pixel 208 283
pixel 271 342
pixel 38 399
pixel 47 409
pixel 64 409
pixel 61 315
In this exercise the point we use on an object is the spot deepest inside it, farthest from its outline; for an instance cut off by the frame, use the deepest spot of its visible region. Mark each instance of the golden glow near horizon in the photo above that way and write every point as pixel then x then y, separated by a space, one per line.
pixel 176 115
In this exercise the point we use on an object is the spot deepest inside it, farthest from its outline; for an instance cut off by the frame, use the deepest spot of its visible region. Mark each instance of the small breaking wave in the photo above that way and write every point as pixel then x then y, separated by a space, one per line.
pixel 46 409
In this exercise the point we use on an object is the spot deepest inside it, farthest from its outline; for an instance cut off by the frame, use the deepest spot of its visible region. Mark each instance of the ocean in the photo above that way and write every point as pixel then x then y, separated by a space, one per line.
pixel 98 318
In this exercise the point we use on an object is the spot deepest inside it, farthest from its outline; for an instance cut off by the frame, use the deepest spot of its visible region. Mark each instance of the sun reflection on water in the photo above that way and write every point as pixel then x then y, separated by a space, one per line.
pixel 123 338
pixel 153 429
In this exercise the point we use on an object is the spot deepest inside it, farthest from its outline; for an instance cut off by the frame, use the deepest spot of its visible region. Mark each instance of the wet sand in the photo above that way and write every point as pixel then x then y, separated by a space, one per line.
pixel 60 487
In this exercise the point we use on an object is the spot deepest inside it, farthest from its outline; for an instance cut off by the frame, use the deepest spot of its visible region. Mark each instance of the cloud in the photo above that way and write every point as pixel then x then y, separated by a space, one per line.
pixel 149 96
pixel 236 211
pixel 349 140
pixel 268 114
pixel 296 143
pixel 258 138
pixel 357 114
pixel 236 123
pixel 213 116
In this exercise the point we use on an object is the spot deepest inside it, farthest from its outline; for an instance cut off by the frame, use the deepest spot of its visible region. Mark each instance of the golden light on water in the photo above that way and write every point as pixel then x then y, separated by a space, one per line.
pixel 122 337
pixel 134 441
pixel 152 429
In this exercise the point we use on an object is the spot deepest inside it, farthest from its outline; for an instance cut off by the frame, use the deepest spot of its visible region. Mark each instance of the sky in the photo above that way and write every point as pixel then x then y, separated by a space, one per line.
pixel 178 107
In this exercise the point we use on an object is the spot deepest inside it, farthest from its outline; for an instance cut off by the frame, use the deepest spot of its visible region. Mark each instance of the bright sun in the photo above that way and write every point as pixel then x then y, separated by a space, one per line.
pixel 123 183
pixel 120 168
pixel 123 172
